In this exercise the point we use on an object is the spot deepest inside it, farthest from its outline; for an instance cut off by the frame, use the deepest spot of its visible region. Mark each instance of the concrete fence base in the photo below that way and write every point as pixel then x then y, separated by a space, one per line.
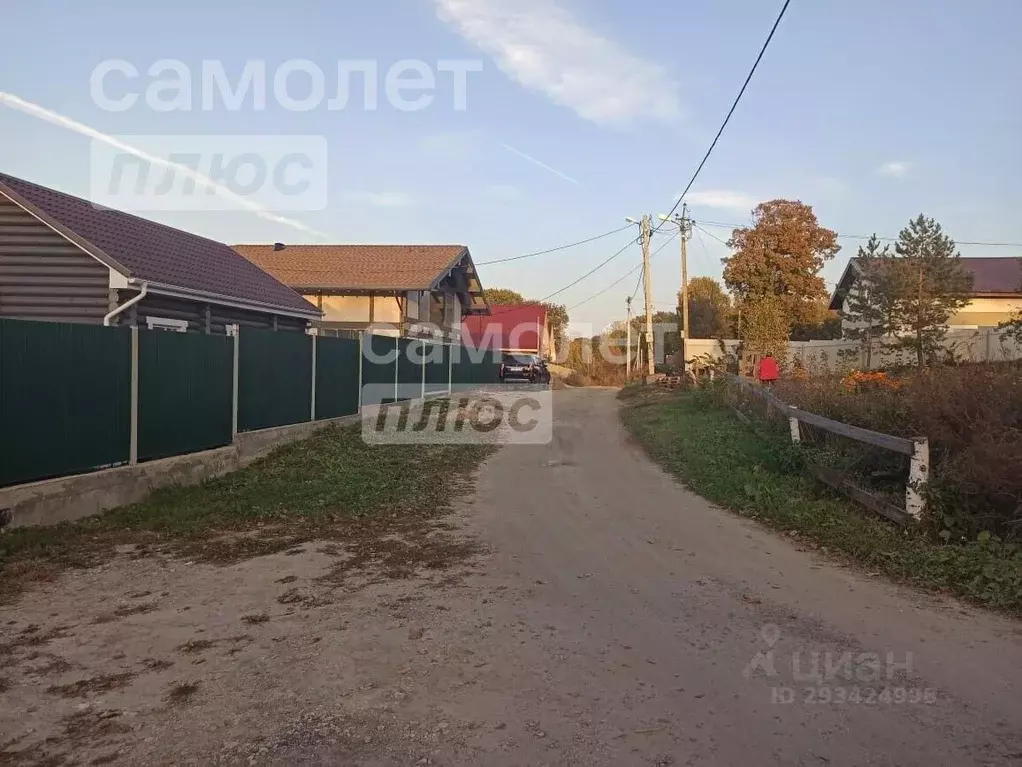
pixel 82 495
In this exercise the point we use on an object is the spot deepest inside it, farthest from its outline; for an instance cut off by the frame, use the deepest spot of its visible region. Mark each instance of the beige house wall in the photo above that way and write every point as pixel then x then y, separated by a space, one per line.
pixel 980 313
pixel 987 312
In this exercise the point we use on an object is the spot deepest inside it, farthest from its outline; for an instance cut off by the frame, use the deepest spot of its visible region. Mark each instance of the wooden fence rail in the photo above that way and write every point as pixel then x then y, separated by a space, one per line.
pixel 917 449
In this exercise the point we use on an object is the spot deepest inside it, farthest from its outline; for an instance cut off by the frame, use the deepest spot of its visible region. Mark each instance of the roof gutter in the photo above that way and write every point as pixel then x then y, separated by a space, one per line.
pixel 108 319
pixel 216 298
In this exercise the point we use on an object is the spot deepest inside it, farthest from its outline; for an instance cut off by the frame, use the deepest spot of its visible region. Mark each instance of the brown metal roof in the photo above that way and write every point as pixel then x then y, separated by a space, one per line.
pixel 152 252
pixel 356 267
pixel 991 276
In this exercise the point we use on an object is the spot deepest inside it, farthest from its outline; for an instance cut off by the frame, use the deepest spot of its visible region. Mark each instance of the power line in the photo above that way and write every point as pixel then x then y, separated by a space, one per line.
pixel 637 283
pixel 654 254
pixel 553 250
pixel 730 112
pixel 623 277
pixel 866 237
pixel 615 283
pixel 711 234
pixel 591 272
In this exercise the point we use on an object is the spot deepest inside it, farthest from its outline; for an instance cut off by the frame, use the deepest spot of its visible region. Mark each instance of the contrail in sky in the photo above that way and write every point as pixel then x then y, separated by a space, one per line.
pixel 15 102
pixel 543 165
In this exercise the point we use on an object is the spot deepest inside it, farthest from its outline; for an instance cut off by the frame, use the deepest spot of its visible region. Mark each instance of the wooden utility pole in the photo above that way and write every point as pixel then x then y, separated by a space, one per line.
pixel 628 343
pixel 648 287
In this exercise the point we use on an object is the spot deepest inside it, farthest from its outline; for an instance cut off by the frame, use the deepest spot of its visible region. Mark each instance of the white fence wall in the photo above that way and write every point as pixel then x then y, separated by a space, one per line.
pixel 980 345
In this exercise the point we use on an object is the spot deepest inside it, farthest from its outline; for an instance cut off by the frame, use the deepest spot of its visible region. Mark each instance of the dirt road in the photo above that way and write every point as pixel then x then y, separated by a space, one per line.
pixel 616 619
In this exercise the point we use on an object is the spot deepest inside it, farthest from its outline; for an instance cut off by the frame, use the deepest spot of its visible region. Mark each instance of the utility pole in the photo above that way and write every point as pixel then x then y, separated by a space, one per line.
pixel 628 343
pixel 647 279
pixel 684 224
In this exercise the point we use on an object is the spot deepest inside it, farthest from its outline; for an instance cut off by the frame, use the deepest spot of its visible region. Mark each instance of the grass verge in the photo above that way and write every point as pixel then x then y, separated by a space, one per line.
pixel 757 476
pixel 331 486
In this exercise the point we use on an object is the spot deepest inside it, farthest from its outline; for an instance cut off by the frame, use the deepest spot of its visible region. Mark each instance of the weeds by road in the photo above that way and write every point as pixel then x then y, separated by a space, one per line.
pixel 329 487
pixel 758 477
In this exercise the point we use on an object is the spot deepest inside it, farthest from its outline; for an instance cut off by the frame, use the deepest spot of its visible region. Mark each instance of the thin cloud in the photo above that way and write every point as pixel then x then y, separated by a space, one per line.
pixel 542 165
pixel 894 169
pixel 35 110
pixel 723 199
pixel 382 199
pixel 545 48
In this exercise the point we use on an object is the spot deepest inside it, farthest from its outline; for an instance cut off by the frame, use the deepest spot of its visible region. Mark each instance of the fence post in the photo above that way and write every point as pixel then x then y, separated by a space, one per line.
pixel 361 351
pixel 133 444
pixel 918 475
pixel 422 358
pixel 796 435
pixel 450 369
pixel 397 368
pixel 235 332
pixel 313 397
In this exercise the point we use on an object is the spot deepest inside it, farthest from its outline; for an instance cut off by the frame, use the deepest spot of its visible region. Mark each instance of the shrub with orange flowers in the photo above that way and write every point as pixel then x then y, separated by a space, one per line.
pixel 858 380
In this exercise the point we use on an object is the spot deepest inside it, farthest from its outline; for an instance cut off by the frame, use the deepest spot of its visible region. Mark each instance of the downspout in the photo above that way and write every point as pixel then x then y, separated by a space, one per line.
pixel 108 319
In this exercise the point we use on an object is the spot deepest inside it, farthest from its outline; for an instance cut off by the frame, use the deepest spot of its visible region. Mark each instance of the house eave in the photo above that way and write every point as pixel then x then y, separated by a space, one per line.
pixel 79 242
pixel 221 300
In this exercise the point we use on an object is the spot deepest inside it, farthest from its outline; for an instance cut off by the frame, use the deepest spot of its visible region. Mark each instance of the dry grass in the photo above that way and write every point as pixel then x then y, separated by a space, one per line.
pixel 182 692
pixel 972 417
pixel 760 475
pixel 85 687
pixel 330 487
pixel 195 646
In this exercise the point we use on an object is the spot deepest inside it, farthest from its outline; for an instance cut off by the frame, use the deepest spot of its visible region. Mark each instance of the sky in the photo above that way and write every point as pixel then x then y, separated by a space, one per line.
pixel 577 114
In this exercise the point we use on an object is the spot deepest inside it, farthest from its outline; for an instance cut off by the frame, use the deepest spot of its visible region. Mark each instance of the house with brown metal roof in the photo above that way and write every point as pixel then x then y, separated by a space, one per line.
pixel 421 290
pixel 65 259
pixel 996 291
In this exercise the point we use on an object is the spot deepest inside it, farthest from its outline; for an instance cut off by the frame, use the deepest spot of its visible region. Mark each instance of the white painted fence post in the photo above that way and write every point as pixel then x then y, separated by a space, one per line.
pixel 796 435
pixel 918 475
pixel 450 369
pixel 133 443
pixel 422 359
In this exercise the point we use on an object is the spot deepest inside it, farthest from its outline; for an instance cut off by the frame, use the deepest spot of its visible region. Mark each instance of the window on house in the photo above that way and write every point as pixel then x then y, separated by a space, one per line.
pixel 164 323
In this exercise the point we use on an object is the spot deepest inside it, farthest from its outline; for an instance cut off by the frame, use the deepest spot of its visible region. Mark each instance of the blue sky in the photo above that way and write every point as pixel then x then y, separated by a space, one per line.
pixel 870 111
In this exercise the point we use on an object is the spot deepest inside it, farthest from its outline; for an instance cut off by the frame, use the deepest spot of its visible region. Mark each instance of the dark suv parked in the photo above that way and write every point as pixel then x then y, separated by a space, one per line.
pixel 524 367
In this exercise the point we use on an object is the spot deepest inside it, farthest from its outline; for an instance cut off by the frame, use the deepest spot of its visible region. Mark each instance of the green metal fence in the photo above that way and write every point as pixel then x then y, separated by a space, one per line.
pixel 66 389
pixel 409 368
pixel 379 361
pixel 438 358
pixel 475 366
pixel 65 399
pixel 274 379
pixel 185 393
pixel 337 377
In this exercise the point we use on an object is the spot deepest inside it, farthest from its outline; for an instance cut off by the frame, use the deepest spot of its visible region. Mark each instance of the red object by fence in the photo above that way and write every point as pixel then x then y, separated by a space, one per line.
pixel 769 371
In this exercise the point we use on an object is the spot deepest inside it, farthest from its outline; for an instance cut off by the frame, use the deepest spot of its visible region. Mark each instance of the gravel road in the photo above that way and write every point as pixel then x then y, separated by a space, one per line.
pixel 615 619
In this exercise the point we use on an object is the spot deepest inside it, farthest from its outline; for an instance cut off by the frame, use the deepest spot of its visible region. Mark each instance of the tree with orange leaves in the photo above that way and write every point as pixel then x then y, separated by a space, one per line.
pixel 780 257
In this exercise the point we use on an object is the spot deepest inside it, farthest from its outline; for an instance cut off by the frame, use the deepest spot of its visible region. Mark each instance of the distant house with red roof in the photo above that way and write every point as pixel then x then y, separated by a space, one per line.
pixel 519 328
